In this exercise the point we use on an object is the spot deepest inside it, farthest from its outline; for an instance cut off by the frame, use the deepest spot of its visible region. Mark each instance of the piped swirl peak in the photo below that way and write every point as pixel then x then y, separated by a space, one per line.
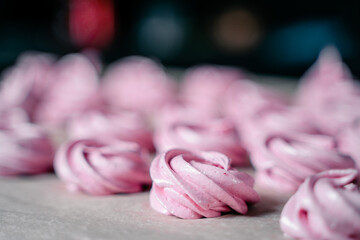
pixel 192 185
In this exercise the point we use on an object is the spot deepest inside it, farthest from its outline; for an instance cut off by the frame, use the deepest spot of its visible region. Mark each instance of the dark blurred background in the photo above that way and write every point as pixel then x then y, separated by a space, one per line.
pixel 267 37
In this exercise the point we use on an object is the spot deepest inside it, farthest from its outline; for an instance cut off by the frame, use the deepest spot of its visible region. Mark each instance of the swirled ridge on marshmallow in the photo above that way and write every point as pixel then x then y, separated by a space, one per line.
pixel 214 135
pixel 326 206
pixel 25 147
pixel 283 161
pixel 102 167
pixel 194 185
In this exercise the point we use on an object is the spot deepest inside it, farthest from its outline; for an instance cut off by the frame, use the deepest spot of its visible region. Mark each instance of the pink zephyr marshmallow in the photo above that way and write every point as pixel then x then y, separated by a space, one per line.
pixel 212 135
pixel 25 147
pixel 283 161
pixel 326 206
pixel 192 185
pixel 103 167
pixel 137 83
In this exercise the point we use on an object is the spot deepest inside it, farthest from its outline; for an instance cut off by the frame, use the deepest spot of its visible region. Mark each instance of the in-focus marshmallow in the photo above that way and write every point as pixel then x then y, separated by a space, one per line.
pixel 198 184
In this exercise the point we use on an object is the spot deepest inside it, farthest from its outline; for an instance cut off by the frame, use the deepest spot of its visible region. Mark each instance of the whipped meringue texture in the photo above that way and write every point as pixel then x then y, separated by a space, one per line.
pixel 192 185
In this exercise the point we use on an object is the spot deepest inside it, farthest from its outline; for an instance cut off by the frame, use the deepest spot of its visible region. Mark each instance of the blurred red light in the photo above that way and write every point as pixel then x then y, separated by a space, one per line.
pixel 91 22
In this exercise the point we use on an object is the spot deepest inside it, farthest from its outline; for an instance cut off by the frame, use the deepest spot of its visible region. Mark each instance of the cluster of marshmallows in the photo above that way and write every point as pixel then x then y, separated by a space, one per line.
pixel 100 129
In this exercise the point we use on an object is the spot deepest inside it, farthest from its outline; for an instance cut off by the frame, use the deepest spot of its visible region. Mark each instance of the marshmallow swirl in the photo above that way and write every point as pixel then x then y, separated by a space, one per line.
pixel 326 206
pixel 103 167
pixel 283 161
pixel 193 185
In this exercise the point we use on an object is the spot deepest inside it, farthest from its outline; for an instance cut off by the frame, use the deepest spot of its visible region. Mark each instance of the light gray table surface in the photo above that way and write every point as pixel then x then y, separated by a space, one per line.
pixel 40 207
